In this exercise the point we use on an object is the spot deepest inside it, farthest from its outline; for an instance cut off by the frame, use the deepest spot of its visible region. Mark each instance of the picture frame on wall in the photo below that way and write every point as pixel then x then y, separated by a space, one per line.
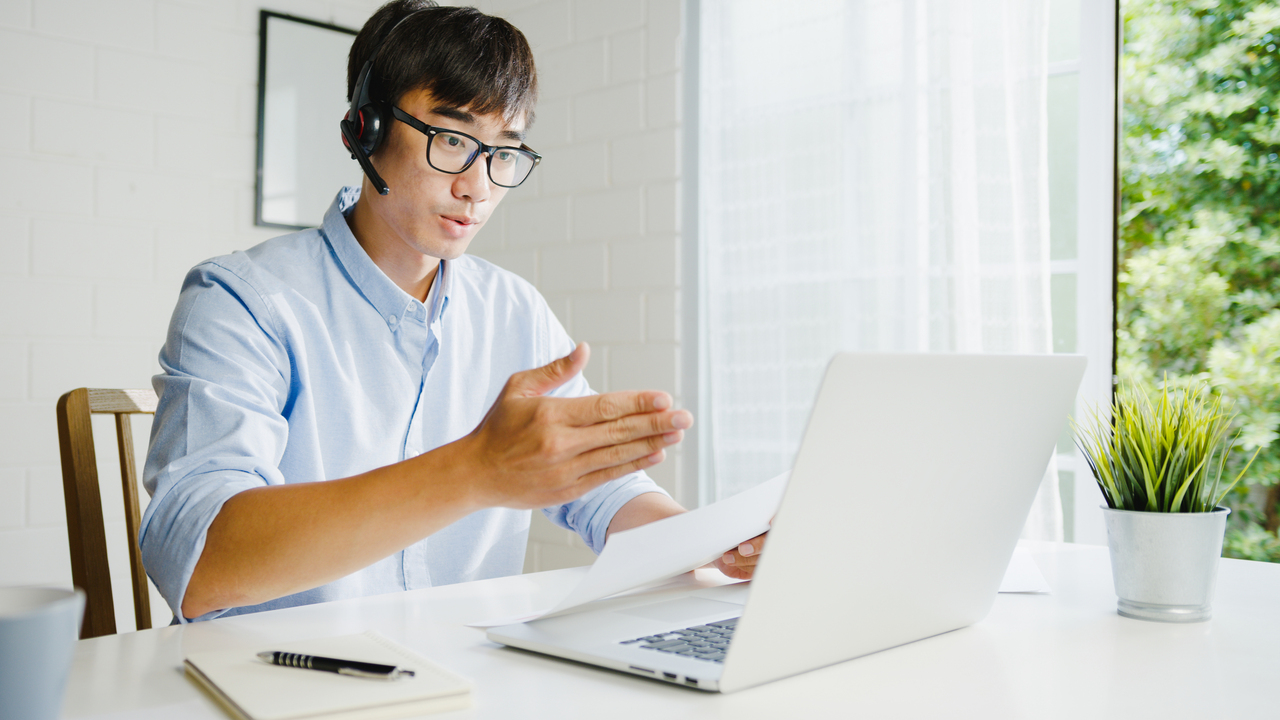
pixel 301 162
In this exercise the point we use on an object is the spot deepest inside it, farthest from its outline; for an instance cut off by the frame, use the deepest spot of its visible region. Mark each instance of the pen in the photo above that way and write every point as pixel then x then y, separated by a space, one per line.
pixel 342 667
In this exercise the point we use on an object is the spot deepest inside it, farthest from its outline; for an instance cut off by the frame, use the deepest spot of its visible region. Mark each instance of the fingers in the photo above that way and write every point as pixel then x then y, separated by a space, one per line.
pixel 740 562
pixel 605 464
pixel 542 380
pixel 595 409
pixel 624 453
pixel 599 477
pixel 632 428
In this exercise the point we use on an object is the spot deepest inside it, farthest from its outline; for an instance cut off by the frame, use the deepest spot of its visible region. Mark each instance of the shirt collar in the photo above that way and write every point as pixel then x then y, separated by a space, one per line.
pixel 391 302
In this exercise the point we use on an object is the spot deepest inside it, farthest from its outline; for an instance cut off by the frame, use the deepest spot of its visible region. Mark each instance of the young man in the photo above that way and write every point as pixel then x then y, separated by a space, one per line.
pixel 434 394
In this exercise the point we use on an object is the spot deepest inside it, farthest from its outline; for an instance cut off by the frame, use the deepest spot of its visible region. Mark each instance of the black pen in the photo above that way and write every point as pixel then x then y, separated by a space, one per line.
pixel 354 668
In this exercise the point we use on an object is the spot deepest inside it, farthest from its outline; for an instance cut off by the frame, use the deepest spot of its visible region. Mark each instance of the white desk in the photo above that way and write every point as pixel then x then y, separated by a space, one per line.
pixel 1064 655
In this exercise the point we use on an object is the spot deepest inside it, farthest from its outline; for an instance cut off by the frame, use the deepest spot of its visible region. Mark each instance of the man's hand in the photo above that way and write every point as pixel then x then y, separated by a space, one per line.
pixel 740 562
pixel 536 451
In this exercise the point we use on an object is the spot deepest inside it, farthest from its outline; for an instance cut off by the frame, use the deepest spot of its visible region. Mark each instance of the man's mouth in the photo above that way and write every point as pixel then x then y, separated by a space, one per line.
pixel 461 219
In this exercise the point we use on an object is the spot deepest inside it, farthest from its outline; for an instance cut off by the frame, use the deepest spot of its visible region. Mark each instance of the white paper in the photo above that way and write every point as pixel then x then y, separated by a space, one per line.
pixel 1022 575
pixel 671 546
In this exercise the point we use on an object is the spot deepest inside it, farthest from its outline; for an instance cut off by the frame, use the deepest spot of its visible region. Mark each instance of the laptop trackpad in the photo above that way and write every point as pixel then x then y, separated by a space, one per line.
pixel 683 609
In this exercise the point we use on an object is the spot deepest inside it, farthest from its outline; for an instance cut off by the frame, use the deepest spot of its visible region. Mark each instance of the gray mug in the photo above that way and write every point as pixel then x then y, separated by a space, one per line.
pixel 38 632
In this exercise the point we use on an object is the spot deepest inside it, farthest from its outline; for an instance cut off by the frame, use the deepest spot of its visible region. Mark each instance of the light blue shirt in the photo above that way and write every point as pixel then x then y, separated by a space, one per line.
pixel 300 361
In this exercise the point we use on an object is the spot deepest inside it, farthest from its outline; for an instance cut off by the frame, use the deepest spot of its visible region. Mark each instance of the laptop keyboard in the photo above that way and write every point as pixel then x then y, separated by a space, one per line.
pixel 704 642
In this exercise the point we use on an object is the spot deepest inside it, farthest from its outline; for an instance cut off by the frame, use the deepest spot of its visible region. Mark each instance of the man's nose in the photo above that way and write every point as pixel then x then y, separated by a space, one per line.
pixel 472 184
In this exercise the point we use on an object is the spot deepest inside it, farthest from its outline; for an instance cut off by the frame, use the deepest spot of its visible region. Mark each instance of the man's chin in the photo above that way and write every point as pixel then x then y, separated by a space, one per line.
pixel 452 249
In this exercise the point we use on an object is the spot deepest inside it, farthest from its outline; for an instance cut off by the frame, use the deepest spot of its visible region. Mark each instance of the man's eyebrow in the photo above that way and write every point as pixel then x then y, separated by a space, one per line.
pixel 463 116
pixel 454 113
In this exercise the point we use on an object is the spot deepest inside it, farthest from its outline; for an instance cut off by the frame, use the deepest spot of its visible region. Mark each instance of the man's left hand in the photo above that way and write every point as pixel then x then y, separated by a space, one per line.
pixel 740 562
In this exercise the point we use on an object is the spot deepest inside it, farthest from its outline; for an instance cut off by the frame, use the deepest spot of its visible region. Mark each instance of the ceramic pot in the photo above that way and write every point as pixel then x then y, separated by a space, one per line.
pixel 1165 564
pixel 38 632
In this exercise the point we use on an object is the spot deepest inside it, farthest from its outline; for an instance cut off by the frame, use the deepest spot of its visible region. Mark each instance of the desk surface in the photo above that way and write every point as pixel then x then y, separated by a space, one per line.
pixel 1063 655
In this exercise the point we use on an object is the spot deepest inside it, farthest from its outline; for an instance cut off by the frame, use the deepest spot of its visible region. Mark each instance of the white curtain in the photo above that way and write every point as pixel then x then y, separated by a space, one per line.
pixel 873 176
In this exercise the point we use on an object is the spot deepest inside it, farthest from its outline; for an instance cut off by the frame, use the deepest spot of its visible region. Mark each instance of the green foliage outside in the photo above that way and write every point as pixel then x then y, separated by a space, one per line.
pixel 1200 226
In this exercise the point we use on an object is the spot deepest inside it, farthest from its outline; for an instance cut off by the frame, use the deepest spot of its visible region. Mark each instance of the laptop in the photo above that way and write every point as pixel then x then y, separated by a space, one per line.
pixel 912 483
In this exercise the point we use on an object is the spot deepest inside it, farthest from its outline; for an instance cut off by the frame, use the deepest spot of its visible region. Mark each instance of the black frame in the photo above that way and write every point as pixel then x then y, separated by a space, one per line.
pixel 487 150
pixel 263 17
pixel 1117 137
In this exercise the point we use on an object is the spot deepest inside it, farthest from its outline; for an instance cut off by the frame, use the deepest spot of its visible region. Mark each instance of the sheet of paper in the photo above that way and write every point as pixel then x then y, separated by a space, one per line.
pixel 669 547
pixel 1022 575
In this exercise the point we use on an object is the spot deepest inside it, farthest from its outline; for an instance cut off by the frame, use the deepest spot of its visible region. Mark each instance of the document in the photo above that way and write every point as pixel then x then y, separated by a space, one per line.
pixel 1022 575
pixel 671 546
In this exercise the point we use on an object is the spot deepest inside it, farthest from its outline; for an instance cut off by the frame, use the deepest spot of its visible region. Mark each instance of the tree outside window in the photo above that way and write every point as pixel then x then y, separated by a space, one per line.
pixel 1199 278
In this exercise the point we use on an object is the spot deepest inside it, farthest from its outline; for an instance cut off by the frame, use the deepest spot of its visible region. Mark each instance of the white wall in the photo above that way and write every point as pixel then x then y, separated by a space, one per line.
pixel 127 155
pixel 597 228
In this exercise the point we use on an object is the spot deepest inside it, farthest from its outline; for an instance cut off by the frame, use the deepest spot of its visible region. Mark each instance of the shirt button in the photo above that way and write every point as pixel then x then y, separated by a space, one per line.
pixel 391 319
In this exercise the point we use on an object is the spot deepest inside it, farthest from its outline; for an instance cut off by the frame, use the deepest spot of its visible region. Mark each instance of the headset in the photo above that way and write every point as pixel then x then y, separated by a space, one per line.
pixel 366 124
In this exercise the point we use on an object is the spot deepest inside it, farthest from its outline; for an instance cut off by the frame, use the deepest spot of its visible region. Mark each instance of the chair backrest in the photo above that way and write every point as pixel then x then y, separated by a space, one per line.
pixel 85 529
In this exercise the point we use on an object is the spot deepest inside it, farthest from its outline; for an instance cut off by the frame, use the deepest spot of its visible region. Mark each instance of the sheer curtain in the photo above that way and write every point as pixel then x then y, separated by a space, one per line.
pixel 873 176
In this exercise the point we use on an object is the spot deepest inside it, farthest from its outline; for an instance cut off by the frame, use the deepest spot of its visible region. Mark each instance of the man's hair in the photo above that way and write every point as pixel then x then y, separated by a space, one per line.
pixel 463 57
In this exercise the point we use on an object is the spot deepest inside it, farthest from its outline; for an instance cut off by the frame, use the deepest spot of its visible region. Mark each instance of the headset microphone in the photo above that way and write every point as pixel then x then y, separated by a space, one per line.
pixel 352 141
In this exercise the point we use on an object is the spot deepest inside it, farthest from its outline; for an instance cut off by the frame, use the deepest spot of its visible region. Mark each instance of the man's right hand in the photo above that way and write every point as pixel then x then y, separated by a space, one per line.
pixel 535 451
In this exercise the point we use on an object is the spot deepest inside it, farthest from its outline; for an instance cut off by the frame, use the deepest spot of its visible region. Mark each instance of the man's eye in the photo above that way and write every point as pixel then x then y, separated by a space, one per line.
pixel 505 156
pixel 453 141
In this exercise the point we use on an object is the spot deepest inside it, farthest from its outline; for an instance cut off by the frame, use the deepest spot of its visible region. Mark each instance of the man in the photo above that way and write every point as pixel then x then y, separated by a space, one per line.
pixel 365 353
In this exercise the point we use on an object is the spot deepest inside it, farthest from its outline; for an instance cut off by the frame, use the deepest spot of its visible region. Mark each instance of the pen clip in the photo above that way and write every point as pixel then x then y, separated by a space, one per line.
pixel 393 675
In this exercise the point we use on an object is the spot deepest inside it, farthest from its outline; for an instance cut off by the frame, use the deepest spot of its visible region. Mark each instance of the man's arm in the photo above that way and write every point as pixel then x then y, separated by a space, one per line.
pixel 530 451
pixel 739 562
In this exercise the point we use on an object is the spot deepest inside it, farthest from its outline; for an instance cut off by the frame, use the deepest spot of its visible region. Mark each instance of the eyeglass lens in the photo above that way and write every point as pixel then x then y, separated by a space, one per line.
pixel 451 152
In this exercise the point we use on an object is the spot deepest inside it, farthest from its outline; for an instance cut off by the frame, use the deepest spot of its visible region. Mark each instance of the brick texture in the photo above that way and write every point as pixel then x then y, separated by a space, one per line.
pixel 604 217
pixel 127 157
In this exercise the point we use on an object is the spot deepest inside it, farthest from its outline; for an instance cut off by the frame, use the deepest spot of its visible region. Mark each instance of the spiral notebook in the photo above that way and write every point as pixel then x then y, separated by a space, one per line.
pixel 251 689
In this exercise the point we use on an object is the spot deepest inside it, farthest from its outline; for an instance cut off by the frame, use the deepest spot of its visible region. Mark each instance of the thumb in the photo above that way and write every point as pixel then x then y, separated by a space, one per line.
pixel 542 380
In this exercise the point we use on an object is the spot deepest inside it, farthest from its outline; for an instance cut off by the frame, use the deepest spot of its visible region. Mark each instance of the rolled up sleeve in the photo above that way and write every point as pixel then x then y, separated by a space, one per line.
pixel 219 428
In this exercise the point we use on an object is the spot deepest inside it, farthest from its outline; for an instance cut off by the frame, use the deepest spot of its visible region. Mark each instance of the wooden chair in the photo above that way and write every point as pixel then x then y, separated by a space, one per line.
pixel 85 528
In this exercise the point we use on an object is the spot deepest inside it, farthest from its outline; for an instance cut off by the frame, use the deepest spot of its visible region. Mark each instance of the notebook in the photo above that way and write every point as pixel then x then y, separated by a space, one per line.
pixel 251 689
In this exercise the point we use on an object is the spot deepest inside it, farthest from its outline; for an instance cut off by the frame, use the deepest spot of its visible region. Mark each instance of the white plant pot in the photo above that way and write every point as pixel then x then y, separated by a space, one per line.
pixel 1165 564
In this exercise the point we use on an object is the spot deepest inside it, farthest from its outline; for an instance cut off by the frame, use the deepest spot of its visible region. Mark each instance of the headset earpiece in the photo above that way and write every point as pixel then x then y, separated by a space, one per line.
pixel 352 139
pixel 364 126
pixel 366 115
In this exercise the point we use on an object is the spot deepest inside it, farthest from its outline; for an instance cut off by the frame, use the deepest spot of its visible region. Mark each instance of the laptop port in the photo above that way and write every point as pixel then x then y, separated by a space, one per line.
pixel 633 667
pixel 691 681
pixel 670 676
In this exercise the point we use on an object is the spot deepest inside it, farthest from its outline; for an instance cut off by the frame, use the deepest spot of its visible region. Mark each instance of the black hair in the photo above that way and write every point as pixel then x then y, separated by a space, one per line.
pixel 463 57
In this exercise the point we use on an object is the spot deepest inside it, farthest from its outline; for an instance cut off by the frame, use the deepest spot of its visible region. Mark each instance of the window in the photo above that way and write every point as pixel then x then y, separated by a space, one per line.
pixel 875 176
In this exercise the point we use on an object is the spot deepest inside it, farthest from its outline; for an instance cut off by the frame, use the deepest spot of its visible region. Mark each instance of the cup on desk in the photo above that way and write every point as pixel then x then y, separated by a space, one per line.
pixel 38 632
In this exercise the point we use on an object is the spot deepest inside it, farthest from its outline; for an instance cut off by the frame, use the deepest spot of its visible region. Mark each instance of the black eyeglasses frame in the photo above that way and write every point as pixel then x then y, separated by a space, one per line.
pixel 487 150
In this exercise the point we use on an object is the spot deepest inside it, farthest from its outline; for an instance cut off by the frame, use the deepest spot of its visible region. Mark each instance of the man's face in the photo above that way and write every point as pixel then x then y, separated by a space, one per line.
pixel 430 212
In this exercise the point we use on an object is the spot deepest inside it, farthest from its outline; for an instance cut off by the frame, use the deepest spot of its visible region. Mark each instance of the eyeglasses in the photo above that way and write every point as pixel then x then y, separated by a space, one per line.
pixel 452 152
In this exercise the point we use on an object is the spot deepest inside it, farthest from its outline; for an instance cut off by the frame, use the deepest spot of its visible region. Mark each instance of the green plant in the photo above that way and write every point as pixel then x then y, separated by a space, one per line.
pixel 1163 456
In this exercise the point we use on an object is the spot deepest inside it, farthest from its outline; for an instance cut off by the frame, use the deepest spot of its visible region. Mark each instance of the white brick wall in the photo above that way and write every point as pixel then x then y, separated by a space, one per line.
pixel 598 232
pixel 127 155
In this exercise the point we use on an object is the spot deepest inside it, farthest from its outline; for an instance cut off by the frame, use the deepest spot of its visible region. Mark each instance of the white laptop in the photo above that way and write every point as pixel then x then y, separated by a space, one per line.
pixel 912 483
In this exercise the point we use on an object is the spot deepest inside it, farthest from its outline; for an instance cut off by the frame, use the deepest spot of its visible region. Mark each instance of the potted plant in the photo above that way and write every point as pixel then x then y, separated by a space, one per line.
pixel 1159 465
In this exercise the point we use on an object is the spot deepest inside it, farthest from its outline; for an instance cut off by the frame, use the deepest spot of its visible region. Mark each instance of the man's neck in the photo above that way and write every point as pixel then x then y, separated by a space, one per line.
pixel 409 269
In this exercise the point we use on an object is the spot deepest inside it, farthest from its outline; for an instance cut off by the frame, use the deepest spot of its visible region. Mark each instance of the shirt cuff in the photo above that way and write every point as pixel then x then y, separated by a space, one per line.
pixel 590 515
